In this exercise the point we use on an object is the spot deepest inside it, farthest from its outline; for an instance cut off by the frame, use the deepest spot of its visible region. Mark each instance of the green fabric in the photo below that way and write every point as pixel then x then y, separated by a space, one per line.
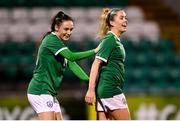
pixel 76 69
pixel 50 65
pixel 106 46
pixel 49 69
pixel 75 56
pixel 111 77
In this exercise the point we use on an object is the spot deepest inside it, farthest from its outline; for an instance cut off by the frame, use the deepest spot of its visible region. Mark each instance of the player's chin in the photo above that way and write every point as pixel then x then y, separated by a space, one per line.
pixel 124 30
pixel 66 38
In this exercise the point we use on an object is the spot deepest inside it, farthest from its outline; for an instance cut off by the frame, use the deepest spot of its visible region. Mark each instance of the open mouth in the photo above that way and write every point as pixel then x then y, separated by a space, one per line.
pixel 67 36
pixel 124 25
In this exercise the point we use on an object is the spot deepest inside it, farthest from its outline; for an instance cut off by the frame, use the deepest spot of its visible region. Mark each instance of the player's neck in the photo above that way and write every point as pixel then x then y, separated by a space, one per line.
pixel 116 32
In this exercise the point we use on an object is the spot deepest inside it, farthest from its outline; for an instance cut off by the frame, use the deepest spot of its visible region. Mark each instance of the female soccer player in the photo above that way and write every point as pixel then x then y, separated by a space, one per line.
pixel 53 56
pixel 108 68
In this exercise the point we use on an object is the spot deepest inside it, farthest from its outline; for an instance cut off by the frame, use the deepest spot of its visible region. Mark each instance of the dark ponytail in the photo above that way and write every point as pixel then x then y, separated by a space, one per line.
pixel 57 20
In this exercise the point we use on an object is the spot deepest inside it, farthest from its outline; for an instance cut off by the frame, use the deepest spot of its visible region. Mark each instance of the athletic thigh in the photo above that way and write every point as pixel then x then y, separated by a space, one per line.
pixel 57 109
pixel 46 116
pixel 101 115
pixel 121 114
pixel 58 116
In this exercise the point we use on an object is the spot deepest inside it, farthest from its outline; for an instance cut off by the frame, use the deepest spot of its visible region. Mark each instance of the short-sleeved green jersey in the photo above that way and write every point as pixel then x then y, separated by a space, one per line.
pixel 49 69
pixel 111 76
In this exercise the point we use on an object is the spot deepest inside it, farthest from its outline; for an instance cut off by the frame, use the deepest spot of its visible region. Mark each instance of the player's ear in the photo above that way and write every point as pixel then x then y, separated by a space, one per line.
pixel 56 27
pixel 111 23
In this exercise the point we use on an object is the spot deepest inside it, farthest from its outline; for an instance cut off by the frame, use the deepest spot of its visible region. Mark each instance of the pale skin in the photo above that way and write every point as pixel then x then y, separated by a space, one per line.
pixel 63 31
pixel 119 25
pixel 50 116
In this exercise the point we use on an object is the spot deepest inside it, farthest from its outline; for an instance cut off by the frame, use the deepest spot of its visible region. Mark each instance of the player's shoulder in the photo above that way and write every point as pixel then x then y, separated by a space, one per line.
pixel 51 36
pixel 50 39
pixel 109 38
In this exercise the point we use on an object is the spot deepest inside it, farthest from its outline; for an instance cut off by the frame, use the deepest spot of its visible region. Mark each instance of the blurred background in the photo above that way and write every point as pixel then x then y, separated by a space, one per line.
pixel 152 43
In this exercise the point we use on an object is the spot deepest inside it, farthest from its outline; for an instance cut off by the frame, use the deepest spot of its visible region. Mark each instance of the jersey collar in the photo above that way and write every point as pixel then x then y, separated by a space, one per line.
pixel 55 34
pixel 114 35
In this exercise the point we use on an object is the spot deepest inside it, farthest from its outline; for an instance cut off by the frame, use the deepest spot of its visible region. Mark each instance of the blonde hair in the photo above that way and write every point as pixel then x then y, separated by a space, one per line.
pixel 103 25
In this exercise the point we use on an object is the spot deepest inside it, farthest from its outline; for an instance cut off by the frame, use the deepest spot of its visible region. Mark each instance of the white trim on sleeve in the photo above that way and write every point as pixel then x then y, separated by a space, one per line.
pixel 61 50
pixel 103 59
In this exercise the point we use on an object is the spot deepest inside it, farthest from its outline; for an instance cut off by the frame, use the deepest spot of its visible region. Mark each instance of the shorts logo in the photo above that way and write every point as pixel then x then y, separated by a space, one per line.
pixel 49 104
pixel 124 101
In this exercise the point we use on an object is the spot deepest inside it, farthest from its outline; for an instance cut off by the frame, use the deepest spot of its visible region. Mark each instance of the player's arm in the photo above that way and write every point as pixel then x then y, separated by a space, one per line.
pixel 77 70
pixel 74 56
pixel 90 95
pixel 94 73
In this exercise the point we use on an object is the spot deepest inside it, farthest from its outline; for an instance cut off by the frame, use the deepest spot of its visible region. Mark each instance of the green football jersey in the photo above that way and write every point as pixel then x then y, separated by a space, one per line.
pixel 49 69
pixel 111 77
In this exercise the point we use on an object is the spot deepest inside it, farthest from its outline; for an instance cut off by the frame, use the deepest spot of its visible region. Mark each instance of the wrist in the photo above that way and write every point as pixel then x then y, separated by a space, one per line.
pixel 91 89
pixel 94 51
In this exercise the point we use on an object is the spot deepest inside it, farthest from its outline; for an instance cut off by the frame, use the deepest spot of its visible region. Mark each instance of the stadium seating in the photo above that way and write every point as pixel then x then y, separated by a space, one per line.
pixel 152 64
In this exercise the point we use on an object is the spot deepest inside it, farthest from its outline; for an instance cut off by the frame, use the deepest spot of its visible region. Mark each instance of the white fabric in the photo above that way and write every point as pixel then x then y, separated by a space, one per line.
pixel 44 103
pixel 60 50
pixel 116 102
pixel 103 59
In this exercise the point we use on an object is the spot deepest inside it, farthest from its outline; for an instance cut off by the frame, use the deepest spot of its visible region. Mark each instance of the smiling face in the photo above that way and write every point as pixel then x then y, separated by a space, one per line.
pixel 64 30
pixel 120 21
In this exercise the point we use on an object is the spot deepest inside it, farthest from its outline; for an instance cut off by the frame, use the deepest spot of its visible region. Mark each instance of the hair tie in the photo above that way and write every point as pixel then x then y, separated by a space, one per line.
pixel 57 19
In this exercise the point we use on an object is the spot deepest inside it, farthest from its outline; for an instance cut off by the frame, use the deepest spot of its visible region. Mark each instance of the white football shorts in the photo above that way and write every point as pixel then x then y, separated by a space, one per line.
pixel 116 102
pixel 44 103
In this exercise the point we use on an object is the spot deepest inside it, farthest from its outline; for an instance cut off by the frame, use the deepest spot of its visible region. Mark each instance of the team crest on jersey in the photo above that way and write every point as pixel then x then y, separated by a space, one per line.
pixel 49 104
